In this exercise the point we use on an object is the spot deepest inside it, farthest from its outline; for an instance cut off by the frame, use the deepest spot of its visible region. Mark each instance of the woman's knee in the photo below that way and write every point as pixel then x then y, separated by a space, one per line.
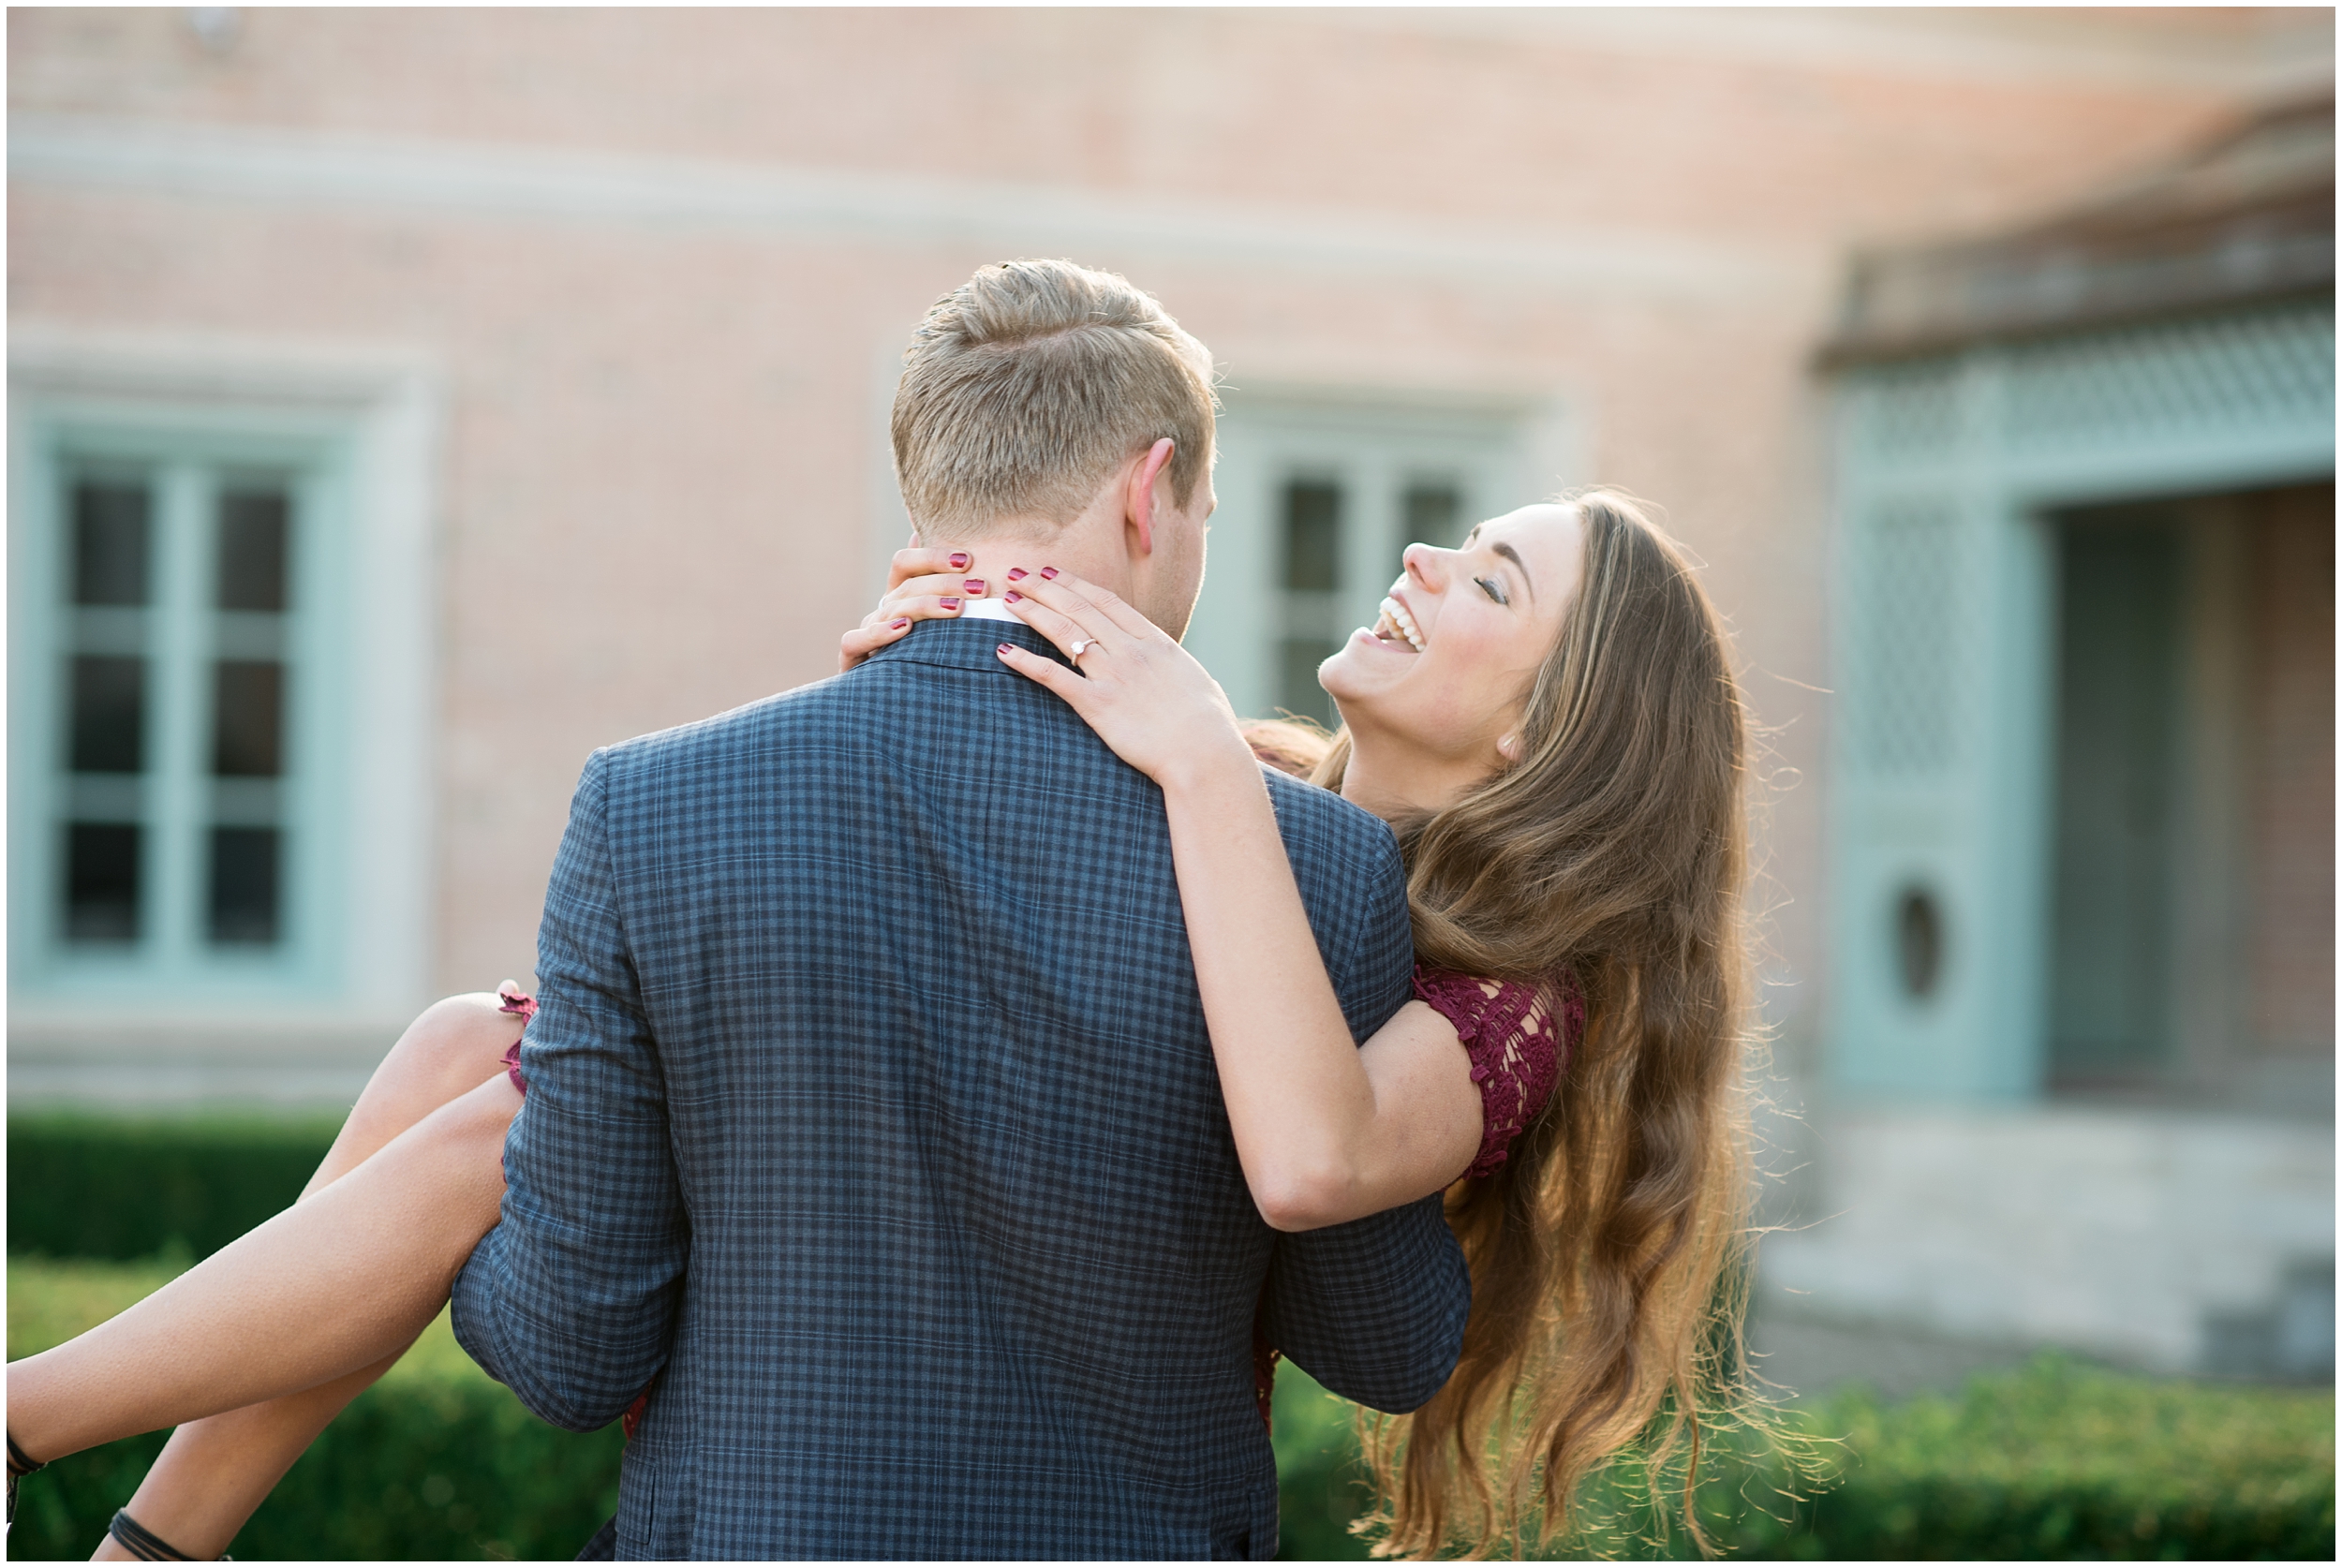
pixel 460 1040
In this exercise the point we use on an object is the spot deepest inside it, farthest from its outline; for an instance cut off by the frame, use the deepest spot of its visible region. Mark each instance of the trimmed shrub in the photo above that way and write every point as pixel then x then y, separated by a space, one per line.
pixel 436 1461
pixel 411 1471
pixel 2056 1461
pixel 103 1187
pixel 1321 1486
pixel 2061 1460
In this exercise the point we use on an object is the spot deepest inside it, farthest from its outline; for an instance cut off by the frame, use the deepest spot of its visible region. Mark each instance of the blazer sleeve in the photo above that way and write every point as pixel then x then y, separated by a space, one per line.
pixel 1375 1309
pixel 571 1298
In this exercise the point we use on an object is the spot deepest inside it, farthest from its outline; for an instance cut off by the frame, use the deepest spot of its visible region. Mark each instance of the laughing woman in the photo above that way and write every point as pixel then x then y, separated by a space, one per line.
pixel 1548 719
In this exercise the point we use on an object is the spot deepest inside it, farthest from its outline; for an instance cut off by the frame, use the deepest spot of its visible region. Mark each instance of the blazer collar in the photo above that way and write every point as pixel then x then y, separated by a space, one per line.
pixel 959 645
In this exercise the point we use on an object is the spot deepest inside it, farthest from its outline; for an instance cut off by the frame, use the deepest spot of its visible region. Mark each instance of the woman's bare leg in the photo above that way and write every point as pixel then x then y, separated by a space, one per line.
pixel 214 1475
pixel 304 1313
pixel 456 1045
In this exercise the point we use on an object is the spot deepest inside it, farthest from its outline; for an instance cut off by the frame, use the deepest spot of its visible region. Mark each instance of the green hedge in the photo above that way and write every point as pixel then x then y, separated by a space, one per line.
pixel 409 1472
pixel 91 1186
pixel 1321 1486
pixel 2054 1461
pixel 435 1461
pixel 2060 1460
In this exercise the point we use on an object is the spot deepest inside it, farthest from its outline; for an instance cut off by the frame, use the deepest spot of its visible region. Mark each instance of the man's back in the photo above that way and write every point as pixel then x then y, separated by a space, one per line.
pixel 870 1010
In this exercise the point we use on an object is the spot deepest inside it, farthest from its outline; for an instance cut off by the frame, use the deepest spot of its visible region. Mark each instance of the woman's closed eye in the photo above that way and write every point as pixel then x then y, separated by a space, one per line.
pixel 1495 588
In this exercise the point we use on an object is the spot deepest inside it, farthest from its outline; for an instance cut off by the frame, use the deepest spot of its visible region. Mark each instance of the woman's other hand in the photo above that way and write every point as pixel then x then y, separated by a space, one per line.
pixel 921 585
pixel 1146 696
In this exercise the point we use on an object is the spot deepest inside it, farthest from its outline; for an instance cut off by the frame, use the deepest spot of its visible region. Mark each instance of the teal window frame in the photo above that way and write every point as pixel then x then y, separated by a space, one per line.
pixel 1374 453
pixel 172 962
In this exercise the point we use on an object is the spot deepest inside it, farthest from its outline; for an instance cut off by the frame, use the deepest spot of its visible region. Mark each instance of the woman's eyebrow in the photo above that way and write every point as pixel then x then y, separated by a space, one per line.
pixel 1518 565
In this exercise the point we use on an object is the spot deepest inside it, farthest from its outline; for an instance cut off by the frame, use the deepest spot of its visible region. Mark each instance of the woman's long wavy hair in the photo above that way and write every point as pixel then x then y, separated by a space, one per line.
pixel 1606 1252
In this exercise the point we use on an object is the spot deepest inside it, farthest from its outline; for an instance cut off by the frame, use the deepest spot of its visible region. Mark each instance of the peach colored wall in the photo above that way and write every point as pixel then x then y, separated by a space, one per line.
pixel 663 437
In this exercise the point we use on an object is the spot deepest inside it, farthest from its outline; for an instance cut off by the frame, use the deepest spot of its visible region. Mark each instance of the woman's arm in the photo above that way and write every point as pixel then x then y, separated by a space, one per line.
pixel 1327 1130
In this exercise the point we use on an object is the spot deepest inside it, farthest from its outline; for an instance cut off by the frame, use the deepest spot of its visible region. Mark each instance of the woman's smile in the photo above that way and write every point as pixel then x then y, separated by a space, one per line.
pixel 1396 624
pixel 1456 641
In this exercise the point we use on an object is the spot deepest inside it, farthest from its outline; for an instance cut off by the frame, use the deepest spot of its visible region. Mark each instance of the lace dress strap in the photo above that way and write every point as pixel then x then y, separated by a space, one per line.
pixel 1517 1049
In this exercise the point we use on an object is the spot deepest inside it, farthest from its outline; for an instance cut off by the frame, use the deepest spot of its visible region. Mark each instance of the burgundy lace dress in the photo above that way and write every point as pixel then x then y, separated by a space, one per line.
pixel 1518 1052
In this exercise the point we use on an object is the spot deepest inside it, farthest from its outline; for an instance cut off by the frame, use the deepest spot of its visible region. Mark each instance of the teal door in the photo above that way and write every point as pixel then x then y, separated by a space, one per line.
pixel 2119 762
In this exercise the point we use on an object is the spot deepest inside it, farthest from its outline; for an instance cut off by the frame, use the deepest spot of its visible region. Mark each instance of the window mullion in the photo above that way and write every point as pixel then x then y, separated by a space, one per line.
pixel 1371 544
pixel 181 715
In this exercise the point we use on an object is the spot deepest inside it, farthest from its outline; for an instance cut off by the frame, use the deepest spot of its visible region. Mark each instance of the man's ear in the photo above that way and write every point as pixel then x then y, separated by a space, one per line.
pixel 1138 499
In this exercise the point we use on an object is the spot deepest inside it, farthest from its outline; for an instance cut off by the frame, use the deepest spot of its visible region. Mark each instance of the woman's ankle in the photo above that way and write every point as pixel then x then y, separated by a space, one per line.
pixel 32 1434
pixel 21 1462
pixel 128 1540
pixel 20 1465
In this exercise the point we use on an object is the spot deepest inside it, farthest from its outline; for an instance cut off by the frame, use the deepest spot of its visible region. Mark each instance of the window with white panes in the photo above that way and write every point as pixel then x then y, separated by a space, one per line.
pixel 220 714
pixel 1316 612
pixel 172 779
pixel 1317 505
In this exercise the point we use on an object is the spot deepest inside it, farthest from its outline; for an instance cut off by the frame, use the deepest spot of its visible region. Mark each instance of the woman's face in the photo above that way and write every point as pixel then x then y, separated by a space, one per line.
pixel 1446 669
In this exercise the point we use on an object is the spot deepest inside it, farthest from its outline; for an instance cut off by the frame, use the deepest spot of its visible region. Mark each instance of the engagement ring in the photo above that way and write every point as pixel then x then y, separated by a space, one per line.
pixel 1081 646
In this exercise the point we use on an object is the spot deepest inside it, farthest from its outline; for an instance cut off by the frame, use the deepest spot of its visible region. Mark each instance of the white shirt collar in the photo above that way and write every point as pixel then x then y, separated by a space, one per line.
pixel 987 609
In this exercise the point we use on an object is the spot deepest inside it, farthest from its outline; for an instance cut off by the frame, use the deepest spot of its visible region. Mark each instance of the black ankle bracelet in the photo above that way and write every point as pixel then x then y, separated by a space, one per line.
pixel 18 1464
pixel 144 1543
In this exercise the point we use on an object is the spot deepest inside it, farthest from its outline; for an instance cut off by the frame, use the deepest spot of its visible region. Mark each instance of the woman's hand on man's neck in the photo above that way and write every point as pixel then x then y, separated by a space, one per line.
pixel 1032 544
pixel 1132 540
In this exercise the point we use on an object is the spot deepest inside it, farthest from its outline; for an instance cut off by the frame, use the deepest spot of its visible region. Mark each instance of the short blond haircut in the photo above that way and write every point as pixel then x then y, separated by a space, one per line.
pixel 1026 387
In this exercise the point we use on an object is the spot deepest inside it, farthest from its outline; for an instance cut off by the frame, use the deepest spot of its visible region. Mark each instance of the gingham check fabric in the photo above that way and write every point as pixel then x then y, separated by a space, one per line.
pixel 871 1111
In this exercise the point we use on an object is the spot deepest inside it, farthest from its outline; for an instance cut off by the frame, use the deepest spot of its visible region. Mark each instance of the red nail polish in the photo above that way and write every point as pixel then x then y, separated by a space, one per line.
pixel 948 602
pixel 1015 574
pixel 1012 597
pixel 960 559
pixel 974 586
pixel 1004 647
pixel 1048 572
pixel 898 624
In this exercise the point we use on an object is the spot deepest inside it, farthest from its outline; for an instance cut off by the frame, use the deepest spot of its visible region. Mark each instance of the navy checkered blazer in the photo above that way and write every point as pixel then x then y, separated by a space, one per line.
pixel 871 1113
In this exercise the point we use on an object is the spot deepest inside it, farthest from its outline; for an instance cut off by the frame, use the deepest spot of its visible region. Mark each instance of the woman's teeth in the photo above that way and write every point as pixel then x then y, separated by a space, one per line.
pixel 1395 622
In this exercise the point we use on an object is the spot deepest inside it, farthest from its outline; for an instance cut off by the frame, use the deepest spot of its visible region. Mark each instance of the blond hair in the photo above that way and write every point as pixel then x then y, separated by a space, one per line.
pixel 1027 385
pixel 1606 1256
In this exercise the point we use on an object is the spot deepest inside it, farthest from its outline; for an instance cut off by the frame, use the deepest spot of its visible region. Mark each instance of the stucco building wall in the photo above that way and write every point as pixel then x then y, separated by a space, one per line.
pixel 662 263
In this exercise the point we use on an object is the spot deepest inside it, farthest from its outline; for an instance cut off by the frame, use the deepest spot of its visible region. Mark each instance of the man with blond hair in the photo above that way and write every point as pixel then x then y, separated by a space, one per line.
pixel 872 1125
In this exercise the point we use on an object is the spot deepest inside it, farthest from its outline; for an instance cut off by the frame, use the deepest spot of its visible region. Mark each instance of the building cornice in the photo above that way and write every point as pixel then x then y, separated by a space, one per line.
pixel 303 170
